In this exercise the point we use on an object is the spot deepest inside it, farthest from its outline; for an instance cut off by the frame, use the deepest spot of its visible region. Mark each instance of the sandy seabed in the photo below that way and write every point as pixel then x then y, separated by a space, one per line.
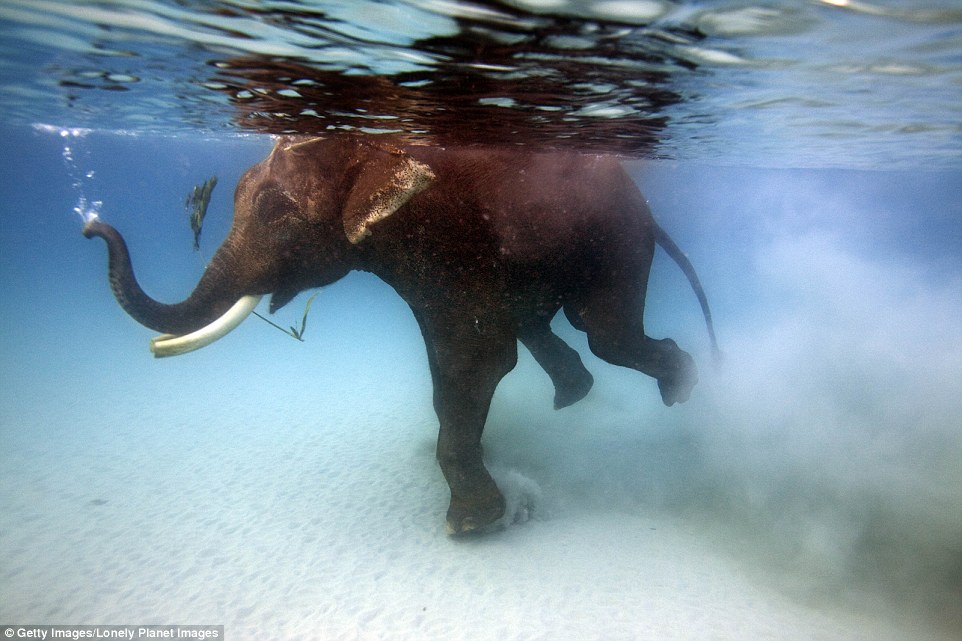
pixel 300 499
pixel 296 531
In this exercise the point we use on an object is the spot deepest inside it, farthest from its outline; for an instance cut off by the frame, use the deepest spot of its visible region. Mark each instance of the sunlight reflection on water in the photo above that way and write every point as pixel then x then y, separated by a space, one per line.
pixel 831 83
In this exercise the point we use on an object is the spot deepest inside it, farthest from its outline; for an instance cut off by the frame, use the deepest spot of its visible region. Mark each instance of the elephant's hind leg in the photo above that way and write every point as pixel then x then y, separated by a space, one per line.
pixel 628 346
pixel 610 308
pixel 616 333
pixel 612 314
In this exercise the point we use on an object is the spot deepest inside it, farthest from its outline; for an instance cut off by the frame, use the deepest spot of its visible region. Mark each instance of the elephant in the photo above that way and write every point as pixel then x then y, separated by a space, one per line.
pixel 484 244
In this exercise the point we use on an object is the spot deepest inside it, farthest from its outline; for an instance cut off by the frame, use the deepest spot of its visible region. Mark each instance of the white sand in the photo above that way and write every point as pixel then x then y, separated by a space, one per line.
pixel 333 530
pixel 289 491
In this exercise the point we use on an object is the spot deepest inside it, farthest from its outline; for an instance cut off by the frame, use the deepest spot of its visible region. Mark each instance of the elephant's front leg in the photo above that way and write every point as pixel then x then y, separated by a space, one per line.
pixel 469 357
pixel 564 366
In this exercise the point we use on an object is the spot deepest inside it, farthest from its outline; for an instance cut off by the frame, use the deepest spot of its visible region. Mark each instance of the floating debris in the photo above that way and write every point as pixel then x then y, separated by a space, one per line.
pixel 196 207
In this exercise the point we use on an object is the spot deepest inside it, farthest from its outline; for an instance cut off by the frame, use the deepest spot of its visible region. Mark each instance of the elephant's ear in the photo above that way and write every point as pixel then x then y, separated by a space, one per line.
pixel 386 180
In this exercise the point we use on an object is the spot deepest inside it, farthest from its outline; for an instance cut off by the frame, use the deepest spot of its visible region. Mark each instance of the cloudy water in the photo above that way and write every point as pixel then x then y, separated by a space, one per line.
pixel 806 156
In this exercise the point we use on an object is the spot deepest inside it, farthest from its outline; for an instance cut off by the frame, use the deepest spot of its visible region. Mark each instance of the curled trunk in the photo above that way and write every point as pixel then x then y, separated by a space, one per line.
pixel 215 295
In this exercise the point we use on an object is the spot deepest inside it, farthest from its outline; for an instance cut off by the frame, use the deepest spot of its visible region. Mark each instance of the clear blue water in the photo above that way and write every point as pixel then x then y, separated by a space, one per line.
pixel 808 163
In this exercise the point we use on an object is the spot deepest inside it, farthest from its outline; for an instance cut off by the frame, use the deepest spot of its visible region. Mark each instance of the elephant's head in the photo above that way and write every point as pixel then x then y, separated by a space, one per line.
pixel 297 218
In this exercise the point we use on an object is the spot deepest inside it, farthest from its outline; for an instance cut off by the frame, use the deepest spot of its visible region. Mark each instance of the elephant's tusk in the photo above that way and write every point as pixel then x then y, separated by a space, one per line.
pixel 171 345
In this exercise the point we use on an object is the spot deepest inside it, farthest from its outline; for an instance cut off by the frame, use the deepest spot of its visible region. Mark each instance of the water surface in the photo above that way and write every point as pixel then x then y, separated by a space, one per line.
pixel 830 83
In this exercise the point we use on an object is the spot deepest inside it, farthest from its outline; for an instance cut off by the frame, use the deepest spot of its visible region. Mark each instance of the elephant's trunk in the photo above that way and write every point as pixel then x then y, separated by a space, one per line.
pixel 215 307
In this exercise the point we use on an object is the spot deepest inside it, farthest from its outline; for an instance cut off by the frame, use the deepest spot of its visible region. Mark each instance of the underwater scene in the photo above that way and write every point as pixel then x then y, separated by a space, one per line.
pixel 439 217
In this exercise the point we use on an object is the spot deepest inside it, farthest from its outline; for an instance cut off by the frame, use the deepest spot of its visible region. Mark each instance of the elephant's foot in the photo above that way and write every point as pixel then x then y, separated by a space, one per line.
pixel 466 518
pixel 679 373
pixel 573 388
pixel 470 512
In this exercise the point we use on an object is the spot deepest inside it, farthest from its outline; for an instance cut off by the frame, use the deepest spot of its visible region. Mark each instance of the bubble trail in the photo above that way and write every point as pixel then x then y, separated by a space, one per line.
pixel 88 211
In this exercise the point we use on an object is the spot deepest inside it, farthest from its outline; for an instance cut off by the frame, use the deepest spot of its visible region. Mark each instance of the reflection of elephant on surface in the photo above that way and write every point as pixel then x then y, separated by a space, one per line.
pixel 485 245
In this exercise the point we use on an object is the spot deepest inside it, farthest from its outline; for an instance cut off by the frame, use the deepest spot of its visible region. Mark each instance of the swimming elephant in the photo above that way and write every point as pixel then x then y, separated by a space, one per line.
pixel 485 245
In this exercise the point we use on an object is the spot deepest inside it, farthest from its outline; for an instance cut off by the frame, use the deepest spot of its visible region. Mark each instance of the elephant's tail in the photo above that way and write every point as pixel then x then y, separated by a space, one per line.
pixel 666 243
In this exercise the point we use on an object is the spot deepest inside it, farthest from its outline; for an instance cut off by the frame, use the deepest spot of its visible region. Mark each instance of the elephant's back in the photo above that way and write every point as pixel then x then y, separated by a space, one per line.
pixel 535 205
